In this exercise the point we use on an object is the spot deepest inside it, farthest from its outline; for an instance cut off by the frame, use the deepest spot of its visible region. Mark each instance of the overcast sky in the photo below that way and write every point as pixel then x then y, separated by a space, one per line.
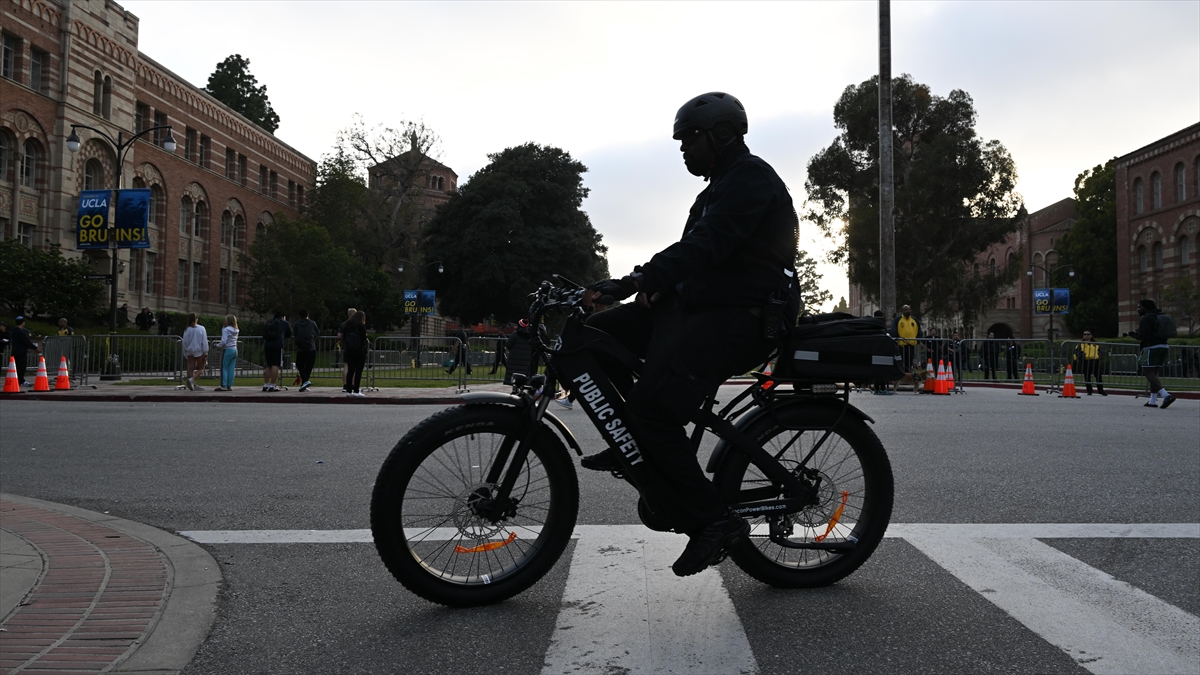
pixel 1064 86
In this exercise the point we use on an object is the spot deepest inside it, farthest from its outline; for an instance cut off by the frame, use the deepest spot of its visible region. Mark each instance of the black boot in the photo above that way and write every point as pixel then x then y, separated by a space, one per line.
pixel 708 546
pixel 605 460
pixel 1100 389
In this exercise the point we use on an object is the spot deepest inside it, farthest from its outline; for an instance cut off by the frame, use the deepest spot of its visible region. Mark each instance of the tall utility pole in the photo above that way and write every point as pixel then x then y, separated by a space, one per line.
pixel 887 197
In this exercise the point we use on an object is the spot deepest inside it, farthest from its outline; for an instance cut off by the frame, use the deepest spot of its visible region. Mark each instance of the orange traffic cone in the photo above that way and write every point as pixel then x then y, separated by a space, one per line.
pixel 1068 390
pixel 930 378
pixel 940 386
pixel 11 384
pixel 1027 388
pixel 42 382
pixel 63 381
pixel 949 377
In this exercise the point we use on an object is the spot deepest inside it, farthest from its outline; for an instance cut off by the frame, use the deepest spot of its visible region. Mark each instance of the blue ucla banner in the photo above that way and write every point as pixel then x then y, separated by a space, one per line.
pixel 91 224
pixel 133 218
pixel 420 302
pixel 1052 301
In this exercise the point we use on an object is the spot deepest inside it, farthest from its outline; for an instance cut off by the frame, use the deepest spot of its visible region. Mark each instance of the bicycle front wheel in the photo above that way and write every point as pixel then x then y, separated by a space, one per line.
pixel 851 475
pixel 429 515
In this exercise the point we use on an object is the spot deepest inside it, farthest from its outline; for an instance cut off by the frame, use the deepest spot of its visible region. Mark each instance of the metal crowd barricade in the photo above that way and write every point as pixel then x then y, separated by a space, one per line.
pixel 136 356
pixel 1005 361
pixel 487 359
pixel 75 348
pixel 1119 367
pixel 422 358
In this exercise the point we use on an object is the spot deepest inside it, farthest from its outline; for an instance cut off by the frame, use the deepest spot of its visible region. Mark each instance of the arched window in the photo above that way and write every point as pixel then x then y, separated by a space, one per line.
pixel 1180 183
pixel 106 107
pixel 226 227
pixel 239 232
pixel 1139 200
pixel 1185 251
pixel 98 93
pixel 1158 255
pixel 93 175
pixel 30 162
pixel 1142 258
pixel 185 215
pixel 200 225
pixel 1156 190
pixel 158 206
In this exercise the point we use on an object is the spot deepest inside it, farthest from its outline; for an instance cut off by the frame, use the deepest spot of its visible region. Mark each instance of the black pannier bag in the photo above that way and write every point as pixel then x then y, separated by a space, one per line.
pixel 830 347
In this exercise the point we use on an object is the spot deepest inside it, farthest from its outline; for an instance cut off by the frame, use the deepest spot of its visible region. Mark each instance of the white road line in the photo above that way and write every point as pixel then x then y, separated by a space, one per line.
pixel 624 611
pixel 896 530
pixel 1107 626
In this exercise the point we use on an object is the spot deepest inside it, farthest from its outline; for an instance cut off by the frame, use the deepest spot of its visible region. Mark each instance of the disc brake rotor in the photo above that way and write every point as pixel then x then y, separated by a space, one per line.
pixel 469 523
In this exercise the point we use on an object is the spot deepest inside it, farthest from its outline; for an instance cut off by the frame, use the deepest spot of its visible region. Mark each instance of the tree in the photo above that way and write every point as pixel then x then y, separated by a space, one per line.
pixel 1090 246
pixel 1181 299
pixel 232 84
pixel 954 197
pixel 36 282
pixel 812 296
pixel 390 212
pixel 508 228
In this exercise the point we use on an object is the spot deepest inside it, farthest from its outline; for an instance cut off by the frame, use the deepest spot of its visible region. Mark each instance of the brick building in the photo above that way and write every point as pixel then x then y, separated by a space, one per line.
pixel 1158 220
pixel 76 62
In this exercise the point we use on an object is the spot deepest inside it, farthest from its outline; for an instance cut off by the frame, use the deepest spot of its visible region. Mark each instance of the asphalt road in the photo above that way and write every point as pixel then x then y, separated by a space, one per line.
pixel 985 457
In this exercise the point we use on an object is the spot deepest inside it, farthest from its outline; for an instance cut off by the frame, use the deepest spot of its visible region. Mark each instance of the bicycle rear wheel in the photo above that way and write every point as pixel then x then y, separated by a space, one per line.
pixel 426 518
pixel 853 479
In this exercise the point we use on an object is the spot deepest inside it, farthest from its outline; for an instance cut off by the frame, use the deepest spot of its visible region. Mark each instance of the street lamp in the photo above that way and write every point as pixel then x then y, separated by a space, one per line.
pixel 400 268
pixel 121 145
pixel 1050 280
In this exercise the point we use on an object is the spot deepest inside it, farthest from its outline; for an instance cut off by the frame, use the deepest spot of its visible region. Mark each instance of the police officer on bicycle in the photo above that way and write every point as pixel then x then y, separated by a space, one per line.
pixel 712 305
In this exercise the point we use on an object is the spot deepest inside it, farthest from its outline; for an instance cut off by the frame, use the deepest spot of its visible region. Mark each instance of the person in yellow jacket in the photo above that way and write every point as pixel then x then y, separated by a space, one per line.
pixel 1087 362
pixel 906 331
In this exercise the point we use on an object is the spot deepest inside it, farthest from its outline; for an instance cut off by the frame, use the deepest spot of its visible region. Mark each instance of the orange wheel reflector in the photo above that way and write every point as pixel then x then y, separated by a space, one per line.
pixel 837 515
pixel 497 544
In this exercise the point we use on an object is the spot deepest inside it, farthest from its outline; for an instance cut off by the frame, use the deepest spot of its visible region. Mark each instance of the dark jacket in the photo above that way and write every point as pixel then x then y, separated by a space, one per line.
pixel 306 332
pixel 21 341
pixel 285 332
pixel 1147 332
pixel 739 238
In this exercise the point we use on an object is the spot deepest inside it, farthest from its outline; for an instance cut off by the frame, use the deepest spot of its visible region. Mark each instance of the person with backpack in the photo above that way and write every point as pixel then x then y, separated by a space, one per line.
pixel 274 333
pixel 353 337
pixel 1153 331
pixel 305 333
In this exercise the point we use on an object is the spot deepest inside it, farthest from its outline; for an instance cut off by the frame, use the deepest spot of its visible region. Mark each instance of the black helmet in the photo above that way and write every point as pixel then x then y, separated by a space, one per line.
pixel 706 111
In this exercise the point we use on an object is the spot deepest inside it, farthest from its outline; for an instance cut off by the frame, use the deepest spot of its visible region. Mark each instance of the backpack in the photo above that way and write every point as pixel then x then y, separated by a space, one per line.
pixel 351 339
pixel 1166 327
pixel 271 330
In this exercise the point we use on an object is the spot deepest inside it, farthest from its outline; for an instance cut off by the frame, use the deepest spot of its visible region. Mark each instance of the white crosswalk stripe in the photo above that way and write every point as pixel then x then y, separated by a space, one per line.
pixel 624 611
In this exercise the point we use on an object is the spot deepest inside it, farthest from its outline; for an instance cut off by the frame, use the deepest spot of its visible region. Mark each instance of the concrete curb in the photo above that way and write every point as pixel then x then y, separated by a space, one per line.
pixel 193 580
pixel 217 398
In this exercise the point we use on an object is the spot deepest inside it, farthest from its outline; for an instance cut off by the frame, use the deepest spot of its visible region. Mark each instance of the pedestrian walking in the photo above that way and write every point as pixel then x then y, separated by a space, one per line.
pixel 1087 363
pixel 352 335
pixel 228 343
pixel 989 353
pixel 144 320
pixel 1154 351
pixel 195 348
pixel 275 332
pixel 460 352
pixel 305 332
pixel 907 329
pixel 1012 358
pixel 22 344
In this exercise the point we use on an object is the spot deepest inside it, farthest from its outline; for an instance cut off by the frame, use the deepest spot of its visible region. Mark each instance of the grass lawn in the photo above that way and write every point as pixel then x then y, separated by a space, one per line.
pixel 256 382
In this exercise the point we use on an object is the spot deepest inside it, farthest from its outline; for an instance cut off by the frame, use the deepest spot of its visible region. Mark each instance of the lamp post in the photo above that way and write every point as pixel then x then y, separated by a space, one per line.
pixel 121 145
pixel 1049 280
pixel 417 321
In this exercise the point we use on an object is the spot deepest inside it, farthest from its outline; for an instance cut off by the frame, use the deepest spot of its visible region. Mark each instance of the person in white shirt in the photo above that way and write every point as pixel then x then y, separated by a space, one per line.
pixel 229 336
pixel 195 348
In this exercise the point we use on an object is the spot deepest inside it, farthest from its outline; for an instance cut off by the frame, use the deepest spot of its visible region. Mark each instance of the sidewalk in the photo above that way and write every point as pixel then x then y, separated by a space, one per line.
pixel 109 391
pixel 83 592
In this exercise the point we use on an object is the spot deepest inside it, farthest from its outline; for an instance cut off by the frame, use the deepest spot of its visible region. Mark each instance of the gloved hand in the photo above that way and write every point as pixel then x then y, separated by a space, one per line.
pixel 614 290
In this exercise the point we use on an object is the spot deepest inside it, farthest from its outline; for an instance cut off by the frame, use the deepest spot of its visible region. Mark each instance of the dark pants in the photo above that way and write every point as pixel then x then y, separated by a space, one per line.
pixel 1089 368
pixel 688 354
pixel 908 353
pixel 22 359
pixel 304 363
pixel 1013 365
pixel 355 360
pixel 989 366
pixel 460 356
